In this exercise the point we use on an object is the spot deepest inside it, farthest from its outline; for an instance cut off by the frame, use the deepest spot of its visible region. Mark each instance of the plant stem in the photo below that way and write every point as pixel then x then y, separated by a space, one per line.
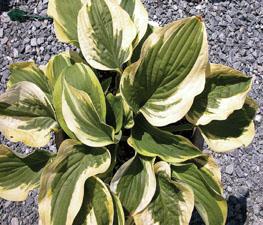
pixel 198 139
pixel 120 71
pixel 124 138
pixel 117 82
pixel 129 221
pixel 59 138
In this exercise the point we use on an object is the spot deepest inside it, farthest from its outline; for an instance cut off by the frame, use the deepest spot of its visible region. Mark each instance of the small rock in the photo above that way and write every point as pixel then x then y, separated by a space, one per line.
pixel 33 42
pixel 52 148
pixel 199 7
pixel 228 18
pixel 175 7
pixel 221 36
pixel 256 209
pixel 236 65
pixel 30 201
pixel 258 118
pixel 229 189
pixel 37 24
pixel 40 40
pixel 26 40
pixel 15 53
pixel 4 40
pixel 5 75
pixel 1 32
pixel 230 169
pixel 27 48
pixel 14 221
pixel 8 203
pixel 214 35
pixel 46 57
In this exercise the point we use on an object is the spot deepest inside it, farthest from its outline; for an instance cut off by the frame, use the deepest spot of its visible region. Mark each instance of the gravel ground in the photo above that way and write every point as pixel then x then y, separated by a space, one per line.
pixel 235 32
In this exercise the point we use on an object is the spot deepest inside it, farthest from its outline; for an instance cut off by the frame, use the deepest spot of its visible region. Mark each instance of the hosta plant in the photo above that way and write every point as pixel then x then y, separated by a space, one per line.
pixel 124 110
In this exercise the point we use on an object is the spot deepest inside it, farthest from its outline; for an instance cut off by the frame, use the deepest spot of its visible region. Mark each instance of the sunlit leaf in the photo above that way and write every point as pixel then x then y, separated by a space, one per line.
pixel 225 91
pixel 105 33
pixel 171 71
pixel 62 182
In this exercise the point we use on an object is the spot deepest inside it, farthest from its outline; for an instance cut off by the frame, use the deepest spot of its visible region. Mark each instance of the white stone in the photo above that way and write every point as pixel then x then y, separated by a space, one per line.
pixel 15 53
pixel 258 118
pixel 230 169
pixel 14 221
pixel 33 42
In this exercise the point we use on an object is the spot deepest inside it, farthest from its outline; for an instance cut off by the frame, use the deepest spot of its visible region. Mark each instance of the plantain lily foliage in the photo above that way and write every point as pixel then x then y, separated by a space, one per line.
pixel 127 106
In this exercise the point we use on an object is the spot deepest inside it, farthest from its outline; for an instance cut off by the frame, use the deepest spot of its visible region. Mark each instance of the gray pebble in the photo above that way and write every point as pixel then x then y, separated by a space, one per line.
pixel 53 148
pixel 26 40
pixel 256 209
pixel 33 42
pixel 14 221
pixel 46 57
pixel 1 32
pixel 258 118
pixel 5 75
pixel 15 53
pixel 7 204
pixel 228 18
pixel 230 169
pixel 27 48
pixel 4 40
pixel 40 40
pixel 37 24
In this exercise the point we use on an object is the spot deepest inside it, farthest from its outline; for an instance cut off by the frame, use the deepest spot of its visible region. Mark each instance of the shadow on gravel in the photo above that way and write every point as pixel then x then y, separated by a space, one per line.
pixel 4 5
pixel 237 212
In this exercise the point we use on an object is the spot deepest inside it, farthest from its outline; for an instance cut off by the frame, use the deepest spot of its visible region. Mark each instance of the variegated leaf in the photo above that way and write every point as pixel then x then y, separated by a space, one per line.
pixel 225 91
pixel 20 174
pixel 128 121
pixel 97 206
pixel 58 63
pixel 63 180
pixel 136 174
pixel 81 108
pixel 105 33
pixel 163 167
pixel 138 14
pixel 26 114
pixel 171 70
pixel 119 218
pixel 137 50
pixel 105 84
pixel 210 172
pixel 236 131
pixel 115 111
pixel 83 120
pixel 28 71
pixel 172 203
pixel 151 141
pixel 206 185
pixel 65 15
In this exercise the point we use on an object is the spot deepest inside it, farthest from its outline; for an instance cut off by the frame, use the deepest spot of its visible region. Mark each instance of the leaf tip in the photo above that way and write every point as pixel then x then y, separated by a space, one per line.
pixel 199 18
